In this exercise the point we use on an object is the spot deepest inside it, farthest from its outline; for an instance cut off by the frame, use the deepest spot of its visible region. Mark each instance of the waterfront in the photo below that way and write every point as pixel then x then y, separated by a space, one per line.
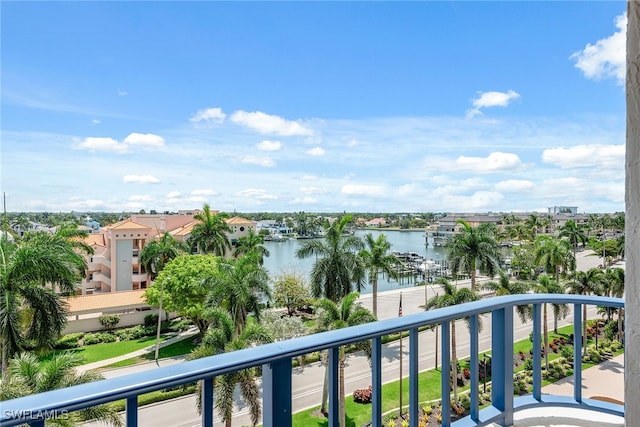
pixel 282 256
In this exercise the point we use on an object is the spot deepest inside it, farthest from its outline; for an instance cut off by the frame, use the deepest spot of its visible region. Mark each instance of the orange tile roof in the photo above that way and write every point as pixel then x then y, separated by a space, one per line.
pixel 95 239
pixel 127 224
pixel 110 300
pixel 239 220
pixel 185 230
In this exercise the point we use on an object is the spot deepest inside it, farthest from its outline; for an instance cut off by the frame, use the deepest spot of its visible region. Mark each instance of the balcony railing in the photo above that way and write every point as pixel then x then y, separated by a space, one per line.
pixel 276 362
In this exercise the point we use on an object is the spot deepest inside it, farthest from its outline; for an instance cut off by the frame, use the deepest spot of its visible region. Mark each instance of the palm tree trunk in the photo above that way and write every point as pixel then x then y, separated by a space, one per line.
pixel 325 386
pixel 374 290
pixel 584 329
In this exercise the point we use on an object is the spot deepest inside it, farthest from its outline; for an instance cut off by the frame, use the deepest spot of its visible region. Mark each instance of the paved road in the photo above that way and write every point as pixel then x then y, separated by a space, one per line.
pixel 307 381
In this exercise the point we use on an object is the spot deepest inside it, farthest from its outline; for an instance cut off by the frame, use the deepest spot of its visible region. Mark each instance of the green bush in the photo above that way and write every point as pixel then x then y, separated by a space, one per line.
pixel 106 337
pixel 151 320
pixel 90 339
pixel 179 325
pixel 69 341
pixel 109 321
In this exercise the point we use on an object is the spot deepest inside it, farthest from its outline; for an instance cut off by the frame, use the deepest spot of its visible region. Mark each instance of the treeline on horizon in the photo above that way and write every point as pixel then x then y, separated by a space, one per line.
pixel 397 219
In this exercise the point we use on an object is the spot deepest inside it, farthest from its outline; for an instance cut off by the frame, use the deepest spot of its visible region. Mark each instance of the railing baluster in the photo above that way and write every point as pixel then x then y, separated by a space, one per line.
pixel 537 355
pixel 334 397
pixel 376 382
pixel 445 374
pixel 276 392
pixel 577 352
pixel 131 408
pixel 206 400
pixel 502 362
pixel 413 377
pixel 473 361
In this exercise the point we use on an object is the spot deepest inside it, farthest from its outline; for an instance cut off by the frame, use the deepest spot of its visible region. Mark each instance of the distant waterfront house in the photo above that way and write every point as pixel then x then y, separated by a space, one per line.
pixel 376 222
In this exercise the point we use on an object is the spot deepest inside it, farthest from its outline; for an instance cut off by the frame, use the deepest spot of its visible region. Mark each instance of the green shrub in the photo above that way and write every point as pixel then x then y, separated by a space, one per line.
pixel 179 325
pixel 69 341
pixel 106 337
pixel 567 352
pixel 90 339
pixel 151 320
pixel 109 321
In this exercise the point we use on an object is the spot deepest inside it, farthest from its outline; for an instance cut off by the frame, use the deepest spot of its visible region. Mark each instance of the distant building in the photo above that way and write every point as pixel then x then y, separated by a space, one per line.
pixel 563 210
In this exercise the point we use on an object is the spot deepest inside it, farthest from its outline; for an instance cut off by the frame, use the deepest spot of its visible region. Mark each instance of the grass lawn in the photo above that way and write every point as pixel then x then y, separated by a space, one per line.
pixel 96 352
pixel 179 348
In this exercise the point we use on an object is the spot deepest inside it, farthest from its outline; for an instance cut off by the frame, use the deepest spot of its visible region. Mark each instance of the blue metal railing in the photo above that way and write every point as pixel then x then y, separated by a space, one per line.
pixel 276 362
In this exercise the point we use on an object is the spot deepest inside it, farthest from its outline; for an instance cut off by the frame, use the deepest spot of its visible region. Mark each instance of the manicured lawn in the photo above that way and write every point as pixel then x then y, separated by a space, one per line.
pixel 97 352
pixel 179 348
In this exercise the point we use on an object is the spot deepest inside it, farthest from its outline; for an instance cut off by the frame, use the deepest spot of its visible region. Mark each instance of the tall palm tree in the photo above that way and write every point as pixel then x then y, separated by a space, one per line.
pixel 534 223
pixel 338 269
pixel 209 235
pixel 30 312
pixel 452 296
pixel 505 286
pixel 75 236
pixel 378 260
pixel 346 312
pixel 546 285
pixel 586 283
pixel 554 255
pixel 613 285
pixel 474 248
pixel 222 337
pixel 574 234
pixel 239 288
pixel 27 375
pixel 157 253
pixel 252 242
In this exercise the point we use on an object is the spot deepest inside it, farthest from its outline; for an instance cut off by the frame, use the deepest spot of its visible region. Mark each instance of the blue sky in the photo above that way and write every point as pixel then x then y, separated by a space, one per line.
pixel 313 106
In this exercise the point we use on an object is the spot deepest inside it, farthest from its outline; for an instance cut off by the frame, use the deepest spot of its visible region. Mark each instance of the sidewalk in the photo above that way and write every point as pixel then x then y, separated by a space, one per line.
pixel 101 363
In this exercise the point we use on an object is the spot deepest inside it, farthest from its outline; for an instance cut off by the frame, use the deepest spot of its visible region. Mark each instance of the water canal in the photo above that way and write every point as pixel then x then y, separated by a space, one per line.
pixel 282 256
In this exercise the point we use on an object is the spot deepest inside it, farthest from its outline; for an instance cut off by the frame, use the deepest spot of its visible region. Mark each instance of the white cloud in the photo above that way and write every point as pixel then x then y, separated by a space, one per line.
pixel 95 122
pixel 141 198
pixel 102 144
pixel 304 201
pixel 122 92
pixel 144 140
pixel 260 161
pixel 211 115
pixel 515 185
pixel 256 193
pixel 586 156
pixel 269 145
pixel 316 151
pixel 309 178
pixel 312 190
pixel 363 190
pixel 204 192
pixel 140 179
pixel 491 99
pixel 495 162
pixel 607 57
pixel 173 194
pixel 269 125
pixel 147 140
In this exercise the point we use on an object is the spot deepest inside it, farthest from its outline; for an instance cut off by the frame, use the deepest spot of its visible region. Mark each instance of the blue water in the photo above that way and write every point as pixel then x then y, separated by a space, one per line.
pixel 282 256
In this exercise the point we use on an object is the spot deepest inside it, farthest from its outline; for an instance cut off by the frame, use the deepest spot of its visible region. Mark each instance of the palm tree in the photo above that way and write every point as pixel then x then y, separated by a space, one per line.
pixel 585 283
pixel 347 312
pixel 252 242
pixel 546 285
pixel 574 234
pixel 338 267
pixel 209 235
pixel 452 296
pixel 505 286
pixel 554 255
pixel 239 288
pixel 157 253
pixel 474 248
pixel 27 375
pixel 377 260
pixel 613 286
pixel 221 337
pixel 30 312
pixel 75 237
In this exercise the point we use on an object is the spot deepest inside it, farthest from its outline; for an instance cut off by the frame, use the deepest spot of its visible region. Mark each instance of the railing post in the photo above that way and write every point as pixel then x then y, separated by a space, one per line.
pixel 334 396
pixel 276 392
pixel 577 352
pixel 131 408
pixel 376 382
pixel 537 354
pixel 502 362
pixel 445 374
pixel 475 371
pixel 206 399
pixel 413 377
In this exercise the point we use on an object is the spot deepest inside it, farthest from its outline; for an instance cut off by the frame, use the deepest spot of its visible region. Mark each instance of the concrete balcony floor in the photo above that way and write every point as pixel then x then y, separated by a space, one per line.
pixel 604 382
